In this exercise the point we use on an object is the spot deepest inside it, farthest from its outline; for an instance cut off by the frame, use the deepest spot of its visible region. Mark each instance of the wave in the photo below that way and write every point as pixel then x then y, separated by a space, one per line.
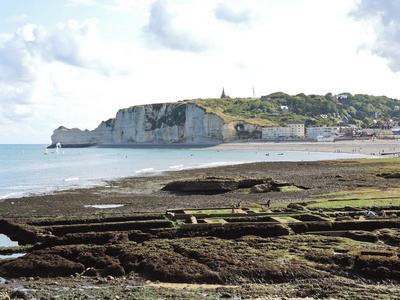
pixel 146 170
pixel 219 163
pixel 12 195
pixel 176 167
pixel 71 179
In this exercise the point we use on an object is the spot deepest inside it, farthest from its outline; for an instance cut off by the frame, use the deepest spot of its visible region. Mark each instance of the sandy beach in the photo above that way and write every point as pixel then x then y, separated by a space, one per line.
pixel 368 147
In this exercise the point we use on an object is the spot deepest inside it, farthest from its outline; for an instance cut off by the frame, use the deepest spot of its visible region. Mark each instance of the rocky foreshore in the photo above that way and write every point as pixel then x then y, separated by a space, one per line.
pixel 301 227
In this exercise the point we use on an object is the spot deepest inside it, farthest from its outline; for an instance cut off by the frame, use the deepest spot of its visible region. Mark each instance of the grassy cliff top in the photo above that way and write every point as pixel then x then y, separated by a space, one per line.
pixel 313 110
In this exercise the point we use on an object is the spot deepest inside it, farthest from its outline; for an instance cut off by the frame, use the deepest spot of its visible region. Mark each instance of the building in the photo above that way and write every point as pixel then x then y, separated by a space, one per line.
pixel 297 130
pixel 277 133
pixel 223 95
pixel 317 132
pixel 396 132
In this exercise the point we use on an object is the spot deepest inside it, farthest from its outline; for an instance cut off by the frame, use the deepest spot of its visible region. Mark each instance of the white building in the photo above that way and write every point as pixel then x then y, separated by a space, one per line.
pixel 297 130
pixel 290 131
pixel 321 132
pixel 396 132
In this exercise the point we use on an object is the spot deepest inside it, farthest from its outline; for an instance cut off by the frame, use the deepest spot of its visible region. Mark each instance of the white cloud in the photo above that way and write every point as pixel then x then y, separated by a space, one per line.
pixel 231 14
pixel 162 31
pixel 24 55
pixel 385 17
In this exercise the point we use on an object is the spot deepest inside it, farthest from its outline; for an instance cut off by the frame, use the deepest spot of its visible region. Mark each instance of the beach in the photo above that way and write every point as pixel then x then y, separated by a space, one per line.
pixel 367 147
pixel 143 193
pixel 122 237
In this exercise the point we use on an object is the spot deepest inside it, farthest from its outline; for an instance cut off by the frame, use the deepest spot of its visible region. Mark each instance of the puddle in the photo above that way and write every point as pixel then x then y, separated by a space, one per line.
pixel 340 251
pixel 12 256
pixel 103 206
pixel 5 241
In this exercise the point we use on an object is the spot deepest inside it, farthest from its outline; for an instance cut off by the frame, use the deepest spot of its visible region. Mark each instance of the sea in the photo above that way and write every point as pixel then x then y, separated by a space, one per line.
pixel 31 169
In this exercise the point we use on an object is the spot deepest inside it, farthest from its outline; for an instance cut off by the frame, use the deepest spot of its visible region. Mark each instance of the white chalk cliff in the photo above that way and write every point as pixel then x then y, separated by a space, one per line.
pixel 168 123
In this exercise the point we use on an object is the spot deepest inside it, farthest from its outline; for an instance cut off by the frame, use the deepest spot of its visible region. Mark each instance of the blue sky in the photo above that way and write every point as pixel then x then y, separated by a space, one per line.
pixel 76 62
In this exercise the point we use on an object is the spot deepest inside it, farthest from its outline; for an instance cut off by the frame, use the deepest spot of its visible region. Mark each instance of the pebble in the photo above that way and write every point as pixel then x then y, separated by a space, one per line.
pixel 101 280
pixel 17 294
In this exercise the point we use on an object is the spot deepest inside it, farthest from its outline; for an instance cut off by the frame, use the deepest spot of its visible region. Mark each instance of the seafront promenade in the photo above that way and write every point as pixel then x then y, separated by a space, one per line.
pixel 368 147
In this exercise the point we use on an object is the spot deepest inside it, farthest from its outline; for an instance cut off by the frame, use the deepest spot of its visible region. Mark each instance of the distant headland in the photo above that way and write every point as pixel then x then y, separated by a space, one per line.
pixel 274 117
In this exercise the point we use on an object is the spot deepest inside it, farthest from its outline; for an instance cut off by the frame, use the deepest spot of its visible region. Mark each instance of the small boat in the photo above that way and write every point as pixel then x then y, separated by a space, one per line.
pixel 280 154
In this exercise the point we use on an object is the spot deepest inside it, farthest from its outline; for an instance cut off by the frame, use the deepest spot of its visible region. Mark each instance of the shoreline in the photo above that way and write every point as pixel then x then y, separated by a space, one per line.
pixel 143 192
pixel 361 147
pixel 366 147
pixel 149 173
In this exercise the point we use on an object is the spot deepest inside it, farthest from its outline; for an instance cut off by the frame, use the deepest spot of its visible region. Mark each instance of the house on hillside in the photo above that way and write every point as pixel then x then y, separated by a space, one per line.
pixel 284 109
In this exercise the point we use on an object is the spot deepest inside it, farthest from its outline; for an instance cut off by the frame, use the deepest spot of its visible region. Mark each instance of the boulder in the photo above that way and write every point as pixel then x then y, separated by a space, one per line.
pixel 390 175
pixel 262 188
pixel 219 185
pixel 213 185
pixel 296 206
pixel 202 186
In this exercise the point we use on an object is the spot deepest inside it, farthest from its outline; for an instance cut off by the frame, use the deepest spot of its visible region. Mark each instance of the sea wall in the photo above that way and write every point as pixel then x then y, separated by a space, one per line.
pixel 168 123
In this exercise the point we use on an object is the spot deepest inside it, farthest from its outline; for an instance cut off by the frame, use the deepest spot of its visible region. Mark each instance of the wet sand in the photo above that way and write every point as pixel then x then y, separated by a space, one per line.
pixel 144 194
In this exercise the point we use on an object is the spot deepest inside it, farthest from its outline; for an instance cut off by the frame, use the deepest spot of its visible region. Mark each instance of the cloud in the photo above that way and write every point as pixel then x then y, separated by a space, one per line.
pixel 161 31
pixel 385 18
pixel 231 15
pixel 25 54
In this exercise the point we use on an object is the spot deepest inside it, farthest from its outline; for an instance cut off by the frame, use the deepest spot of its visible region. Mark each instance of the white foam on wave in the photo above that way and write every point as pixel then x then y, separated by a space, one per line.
pixel 69 179
pixel 12 195
pixel 219 163
pixel 146 170
pixel 176 167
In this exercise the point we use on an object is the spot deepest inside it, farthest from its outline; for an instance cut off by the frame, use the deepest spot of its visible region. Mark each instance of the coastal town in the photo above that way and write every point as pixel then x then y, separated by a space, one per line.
pixel 379 128
pixel 299 132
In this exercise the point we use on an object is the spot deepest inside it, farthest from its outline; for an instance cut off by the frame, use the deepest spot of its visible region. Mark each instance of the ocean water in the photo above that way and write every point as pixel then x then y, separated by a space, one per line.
pixel 25 169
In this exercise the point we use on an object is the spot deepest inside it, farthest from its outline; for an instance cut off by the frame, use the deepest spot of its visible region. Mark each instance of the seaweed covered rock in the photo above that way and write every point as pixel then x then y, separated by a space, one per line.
pixel 40 264
pixel 220 185
pixel 296 207
pixel 213 185
pixel 393 175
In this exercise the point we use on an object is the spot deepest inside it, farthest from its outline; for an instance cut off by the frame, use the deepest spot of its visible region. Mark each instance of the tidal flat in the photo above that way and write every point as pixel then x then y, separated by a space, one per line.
pixel 266 230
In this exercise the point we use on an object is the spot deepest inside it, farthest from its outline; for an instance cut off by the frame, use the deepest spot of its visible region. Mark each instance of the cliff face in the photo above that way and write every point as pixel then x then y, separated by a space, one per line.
pixel 169 123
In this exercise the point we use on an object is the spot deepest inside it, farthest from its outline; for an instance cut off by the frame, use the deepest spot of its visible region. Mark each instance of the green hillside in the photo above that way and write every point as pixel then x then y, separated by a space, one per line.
pixel 313 110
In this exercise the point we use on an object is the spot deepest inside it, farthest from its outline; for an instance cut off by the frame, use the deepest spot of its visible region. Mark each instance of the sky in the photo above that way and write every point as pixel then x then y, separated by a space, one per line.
pixel 76 62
